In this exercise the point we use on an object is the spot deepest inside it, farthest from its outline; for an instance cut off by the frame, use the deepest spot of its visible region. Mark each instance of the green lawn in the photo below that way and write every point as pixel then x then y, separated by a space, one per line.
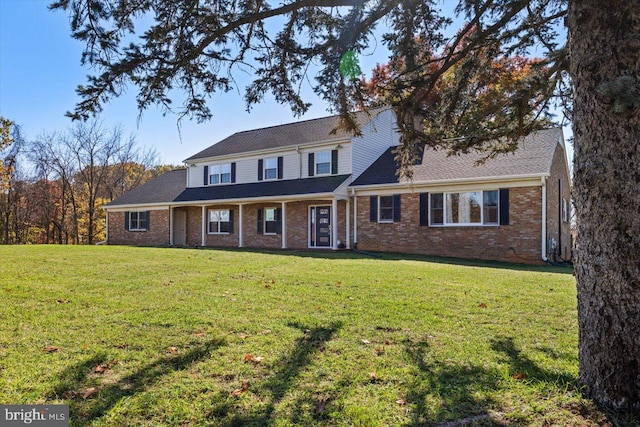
pixel 149 336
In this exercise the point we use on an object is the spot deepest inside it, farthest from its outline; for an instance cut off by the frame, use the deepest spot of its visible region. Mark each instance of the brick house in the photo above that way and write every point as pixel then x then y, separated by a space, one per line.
pixel 302 186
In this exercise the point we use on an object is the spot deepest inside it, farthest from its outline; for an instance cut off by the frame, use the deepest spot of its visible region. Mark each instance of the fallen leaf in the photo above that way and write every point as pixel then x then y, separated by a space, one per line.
pixel 122 346
pixel 379 350
pixel 387 342
pixel 50 349
pixel 266 332
pixel 366 342
pixel 89 392
pixel 401 402
pixel 173 350
pixel 253 359
pixel 239 391
pixel 373 376
pixel 482 305
pixel 520 376
pixel 201 334
pixel 267 286
pixel 338 283
pixel 100 369
pixel 243 336
pixel 63 301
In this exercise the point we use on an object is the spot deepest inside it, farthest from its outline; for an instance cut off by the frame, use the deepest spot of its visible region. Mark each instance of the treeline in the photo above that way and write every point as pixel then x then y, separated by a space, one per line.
pixel 52 188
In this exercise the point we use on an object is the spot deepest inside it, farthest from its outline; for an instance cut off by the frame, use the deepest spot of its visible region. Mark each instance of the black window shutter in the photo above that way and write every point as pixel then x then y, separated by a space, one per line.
pixel 334 162
pixel 206 175
pixel 311 164
pixel 279 221
pixel 148 215
pixel 396 208
pixel 126 220
pixel 230 221
pixel 504 206
pixel 373 208
pixel 260 169
pixel 424 209
pixel 233 172
pixel 280 167
pixel 260 221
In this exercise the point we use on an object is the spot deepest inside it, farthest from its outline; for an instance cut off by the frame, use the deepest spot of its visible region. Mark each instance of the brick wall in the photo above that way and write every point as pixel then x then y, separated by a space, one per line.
pixel 558 187
pixel 517 242
pixel 156 235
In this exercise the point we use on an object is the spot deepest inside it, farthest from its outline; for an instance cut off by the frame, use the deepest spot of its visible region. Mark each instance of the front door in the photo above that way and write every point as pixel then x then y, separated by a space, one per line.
pixel 320 226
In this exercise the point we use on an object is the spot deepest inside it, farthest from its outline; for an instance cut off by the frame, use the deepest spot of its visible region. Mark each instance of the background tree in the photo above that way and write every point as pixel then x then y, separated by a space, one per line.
pixel 81 170
pixel 196 46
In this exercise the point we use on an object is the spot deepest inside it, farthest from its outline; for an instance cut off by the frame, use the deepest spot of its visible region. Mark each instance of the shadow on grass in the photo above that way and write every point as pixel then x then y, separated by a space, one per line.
pixel 521 364
pixel 393 256
pixel 76 378
pixel 277 385
pixel 442 391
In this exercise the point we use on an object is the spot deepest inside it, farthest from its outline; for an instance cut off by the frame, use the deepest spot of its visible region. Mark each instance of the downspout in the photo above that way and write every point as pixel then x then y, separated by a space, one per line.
pixel 544 219
pixel 355 218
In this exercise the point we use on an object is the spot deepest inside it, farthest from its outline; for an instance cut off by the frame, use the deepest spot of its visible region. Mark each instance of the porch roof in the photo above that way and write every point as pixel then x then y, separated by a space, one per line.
pixel 291 187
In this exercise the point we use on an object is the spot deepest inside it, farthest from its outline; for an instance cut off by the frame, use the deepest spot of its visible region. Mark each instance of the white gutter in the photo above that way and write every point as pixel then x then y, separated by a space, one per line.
pixel 267 151
pixel 475 180
pixel 543 248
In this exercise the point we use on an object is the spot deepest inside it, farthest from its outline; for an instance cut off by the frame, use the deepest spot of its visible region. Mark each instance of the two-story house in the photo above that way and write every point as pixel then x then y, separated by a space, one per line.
pixel 304 186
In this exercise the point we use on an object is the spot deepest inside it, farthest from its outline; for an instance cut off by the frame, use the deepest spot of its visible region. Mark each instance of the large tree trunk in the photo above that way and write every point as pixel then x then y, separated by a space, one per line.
pixel 604 46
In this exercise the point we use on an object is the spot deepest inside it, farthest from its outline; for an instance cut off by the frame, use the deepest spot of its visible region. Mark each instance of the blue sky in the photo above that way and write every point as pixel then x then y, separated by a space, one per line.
pixel 40 69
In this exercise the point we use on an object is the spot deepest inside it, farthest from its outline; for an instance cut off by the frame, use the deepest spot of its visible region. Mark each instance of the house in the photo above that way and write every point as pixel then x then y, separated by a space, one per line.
pixel 300 186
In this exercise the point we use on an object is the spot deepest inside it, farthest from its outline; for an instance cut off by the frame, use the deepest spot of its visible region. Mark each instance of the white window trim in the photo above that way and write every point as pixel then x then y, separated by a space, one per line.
pixel 219 174
pixel 264 169
pixel 463 224
pixel 219 222
pixel 264 222
pixel 385 221
pixel 316 163
pixel 138 215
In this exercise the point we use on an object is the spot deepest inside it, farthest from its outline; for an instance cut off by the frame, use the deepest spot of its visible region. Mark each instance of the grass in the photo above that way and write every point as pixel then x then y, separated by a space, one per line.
pixel 208 337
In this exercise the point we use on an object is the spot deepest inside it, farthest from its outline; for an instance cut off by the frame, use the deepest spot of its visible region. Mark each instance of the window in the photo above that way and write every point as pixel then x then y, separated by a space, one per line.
pixel 323 163
pixel 219 221
pixel 271 168
pixel 386 209
pixel 469 208
pixel 137 221
pixel 565 210
pixel 220 174
pixel 270 220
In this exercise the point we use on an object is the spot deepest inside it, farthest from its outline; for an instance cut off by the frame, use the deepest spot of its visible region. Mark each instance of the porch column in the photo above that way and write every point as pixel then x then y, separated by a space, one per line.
pixel 204 226
pixel 170 225
pixel 348 225
pixel 284 225
pixel 240 229
pixel 334 223
pixel 355 221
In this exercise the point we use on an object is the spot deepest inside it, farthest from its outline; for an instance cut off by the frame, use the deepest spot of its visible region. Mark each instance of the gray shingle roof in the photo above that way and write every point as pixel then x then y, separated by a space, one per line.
pixel 533 156
pixel 291 187
pixel 171 188
pixel 162 189
pixel 286 135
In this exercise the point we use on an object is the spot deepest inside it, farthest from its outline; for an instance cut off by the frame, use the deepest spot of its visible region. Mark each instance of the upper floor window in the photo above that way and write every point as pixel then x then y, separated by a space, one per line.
pixel 220 174
pixel 468 208
pixel 323 163
pixel 271 168
pixel 566 210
